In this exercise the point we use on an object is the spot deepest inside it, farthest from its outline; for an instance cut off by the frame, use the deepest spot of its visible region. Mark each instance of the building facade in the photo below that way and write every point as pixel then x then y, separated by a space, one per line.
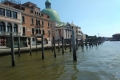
pixel 116 37
pixel 10 21
pixel 34 22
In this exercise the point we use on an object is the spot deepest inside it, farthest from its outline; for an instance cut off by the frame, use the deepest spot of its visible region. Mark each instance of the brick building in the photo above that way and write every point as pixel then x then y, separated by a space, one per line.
pixel 34 23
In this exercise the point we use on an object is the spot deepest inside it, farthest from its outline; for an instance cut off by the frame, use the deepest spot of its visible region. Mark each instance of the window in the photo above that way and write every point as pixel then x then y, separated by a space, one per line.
pixel 42 23
pixel 48 33
pixel 15 28
pixel 32 20
pixel 36 31
pixel 2 26
pixel 31 11
pixel 8 13
pixel 43 32
pixel 9 27
pixel 23 30
pixel 2 12
pixel 32 30
pixel 36 22
pixel 14 15
pixel 39 22
pixel 41 14
pixel 33 39
pixel 47 16
pixel 23 19
pixel 48 24
pixel 23 8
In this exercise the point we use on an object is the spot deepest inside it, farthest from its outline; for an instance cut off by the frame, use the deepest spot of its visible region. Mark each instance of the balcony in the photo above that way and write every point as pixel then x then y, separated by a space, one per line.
pixel 8 33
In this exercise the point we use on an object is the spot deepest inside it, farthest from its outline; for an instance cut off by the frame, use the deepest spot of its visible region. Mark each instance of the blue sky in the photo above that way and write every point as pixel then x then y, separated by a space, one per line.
pixel 93 16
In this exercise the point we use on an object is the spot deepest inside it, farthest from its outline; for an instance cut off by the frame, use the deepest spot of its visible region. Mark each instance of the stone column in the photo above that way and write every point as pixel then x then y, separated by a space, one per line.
pixel 5 26
pixel 12 27
pixel 5 12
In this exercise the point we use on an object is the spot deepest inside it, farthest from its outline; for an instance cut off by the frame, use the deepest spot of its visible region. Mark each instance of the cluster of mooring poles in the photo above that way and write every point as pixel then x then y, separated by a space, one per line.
pixel 72 40
pixel 72 46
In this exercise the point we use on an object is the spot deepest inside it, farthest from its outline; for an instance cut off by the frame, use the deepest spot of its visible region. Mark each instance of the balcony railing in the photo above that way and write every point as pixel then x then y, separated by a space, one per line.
pixel 8 33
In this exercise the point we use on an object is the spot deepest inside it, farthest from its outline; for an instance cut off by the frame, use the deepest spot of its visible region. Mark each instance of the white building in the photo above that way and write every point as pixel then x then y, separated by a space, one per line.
pixel 10 21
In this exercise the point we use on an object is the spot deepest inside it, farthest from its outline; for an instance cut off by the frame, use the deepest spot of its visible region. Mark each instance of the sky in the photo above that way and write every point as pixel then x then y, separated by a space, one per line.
pixel 95 17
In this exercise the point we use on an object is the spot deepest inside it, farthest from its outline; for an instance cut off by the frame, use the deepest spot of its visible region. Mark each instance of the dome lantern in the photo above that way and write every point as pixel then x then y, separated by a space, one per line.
pixel 48 4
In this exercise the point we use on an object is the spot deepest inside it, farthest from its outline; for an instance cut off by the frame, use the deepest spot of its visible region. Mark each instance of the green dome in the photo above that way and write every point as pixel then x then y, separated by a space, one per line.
pixel 52 13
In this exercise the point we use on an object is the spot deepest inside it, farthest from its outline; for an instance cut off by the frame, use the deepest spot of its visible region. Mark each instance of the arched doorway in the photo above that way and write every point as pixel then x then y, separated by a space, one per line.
pixel 9 27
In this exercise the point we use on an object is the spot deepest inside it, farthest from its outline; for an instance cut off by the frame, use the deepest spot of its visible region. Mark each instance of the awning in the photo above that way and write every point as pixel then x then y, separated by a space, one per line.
pixel 39 39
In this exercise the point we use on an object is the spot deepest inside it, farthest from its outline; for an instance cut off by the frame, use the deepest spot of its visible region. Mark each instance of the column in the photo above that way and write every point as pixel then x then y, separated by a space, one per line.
pixel 12 27
pixel 5 26
pixel 5 12
pixel 27 41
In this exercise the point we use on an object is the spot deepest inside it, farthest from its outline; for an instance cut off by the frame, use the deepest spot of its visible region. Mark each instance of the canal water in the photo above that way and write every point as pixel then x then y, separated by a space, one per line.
pixel 95 63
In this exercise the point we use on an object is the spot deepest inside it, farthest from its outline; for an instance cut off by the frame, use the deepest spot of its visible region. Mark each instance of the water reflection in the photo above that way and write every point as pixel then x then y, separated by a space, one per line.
pixel 74 76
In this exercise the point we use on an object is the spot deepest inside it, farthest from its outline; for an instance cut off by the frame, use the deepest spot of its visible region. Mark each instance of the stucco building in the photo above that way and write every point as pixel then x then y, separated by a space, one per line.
pixel 10 21
pixel 34 22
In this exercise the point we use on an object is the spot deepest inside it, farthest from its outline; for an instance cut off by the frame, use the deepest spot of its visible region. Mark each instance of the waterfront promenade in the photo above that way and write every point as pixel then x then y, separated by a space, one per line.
pixel 5 50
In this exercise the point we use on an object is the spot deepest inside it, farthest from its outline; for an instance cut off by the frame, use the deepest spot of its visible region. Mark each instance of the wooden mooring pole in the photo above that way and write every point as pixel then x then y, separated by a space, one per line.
pixel 42 48
pixel 76 44
pixel 30 47
pixel 36 44
pixel 62 46
pixel 58 46
pixel 54 47
pixel 12 49
pixel 18 46
pixel 65 43
pixel 70 44
pixel 74 47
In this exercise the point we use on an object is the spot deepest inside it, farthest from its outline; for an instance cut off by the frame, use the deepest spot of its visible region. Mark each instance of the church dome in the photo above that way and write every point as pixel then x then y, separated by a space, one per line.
pixel 52 13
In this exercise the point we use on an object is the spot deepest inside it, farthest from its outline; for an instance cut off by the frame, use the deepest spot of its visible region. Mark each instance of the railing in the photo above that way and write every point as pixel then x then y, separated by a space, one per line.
pixel 8 33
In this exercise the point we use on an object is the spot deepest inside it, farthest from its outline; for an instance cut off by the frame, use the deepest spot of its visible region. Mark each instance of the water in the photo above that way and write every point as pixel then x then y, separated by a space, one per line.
pixel 97 63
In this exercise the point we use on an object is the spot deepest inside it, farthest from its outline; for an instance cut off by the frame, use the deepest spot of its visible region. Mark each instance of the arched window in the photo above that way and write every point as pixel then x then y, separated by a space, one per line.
pixel 15 28
pixel 2 26
pixel 9 27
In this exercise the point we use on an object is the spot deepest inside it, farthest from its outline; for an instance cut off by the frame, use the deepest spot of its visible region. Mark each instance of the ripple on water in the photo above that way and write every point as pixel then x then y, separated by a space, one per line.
pixel 95 63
